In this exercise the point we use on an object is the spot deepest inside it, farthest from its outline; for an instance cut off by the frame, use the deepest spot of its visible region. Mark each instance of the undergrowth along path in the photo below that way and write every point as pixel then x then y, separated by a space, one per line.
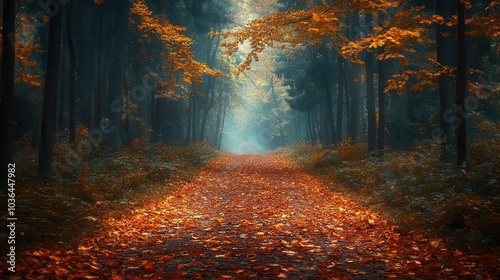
pixel 255 216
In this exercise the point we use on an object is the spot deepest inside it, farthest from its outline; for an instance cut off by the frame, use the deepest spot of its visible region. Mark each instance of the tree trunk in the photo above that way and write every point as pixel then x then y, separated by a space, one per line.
pixel 355 89
pixel 208 107
pixel 370 96
pixel 189 120
pixel 461 87
pixel 121 12
pixel 446 56
pixel 276 106
pixel 340 97
pixel 7 88
pixel 226 104
pixel 218 119
pixel 50 97
pixel 382 79
pixel 329 121
pixel 155 120
pixel 381 106
pixel 72 70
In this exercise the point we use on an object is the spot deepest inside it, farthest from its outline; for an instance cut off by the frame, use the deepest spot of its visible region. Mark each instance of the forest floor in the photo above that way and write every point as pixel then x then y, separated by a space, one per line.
pixel 252 216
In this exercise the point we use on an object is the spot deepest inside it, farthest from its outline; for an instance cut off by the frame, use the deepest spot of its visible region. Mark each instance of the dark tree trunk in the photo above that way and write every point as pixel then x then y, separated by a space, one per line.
pixel 7 88
pixel 189 120
pixel 62 89
pixel 461 85
pixel 381 106
pixel 382 78
pixel 329 125
pixel 155 120
pixel 211 62
pixel 72 69
pixel 226 104
pixel 276 106
pixel 446 56
pixel 370 96
pixel 218 119
pixel 208 107
pixel 118 59
pixel 104 59
pixel 340 96
pixel 355 88
pixel 50 97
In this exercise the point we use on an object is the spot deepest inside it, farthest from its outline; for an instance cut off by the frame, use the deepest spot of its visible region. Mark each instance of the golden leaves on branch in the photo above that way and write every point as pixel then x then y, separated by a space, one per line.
pixel 289 28
pixel 419 79
pixel 396 42
pixel 178 56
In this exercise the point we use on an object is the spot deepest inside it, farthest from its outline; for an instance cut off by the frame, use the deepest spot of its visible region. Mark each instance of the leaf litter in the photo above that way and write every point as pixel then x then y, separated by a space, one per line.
pixel 254 216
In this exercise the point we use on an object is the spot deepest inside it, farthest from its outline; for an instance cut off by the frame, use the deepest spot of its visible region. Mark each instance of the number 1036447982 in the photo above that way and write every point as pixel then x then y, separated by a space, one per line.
pixel 11 183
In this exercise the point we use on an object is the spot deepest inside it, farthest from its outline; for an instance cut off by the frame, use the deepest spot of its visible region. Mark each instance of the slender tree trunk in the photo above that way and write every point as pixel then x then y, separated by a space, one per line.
pixel 50 97
pixel 381 107
pixel 340 97
pixel 218 119
pixel 194 117
pixel 317 116
pixel 155 119
pixel 189 120
pixel 226 104
pixel 329 125
pixel 208 107
pixel 104 57
pixel 121 12
pixel 72 70
pixel 276 105
pixel 355 89
pixel 370 96
pixel 446 56
pixel 382 78
pixel 7 89
pixel 348 97
pixel 461 86
pixel 62 89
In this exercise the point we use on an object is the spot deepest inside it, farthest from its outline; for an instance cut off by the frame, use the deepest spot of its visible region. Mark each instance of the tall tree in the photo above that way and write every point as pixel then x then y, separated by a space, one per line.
pixel 50 96
pixel 340 96
pixel 72 69
pixel 382 78
pixel 461 86
pixel 121 11
pixel 7 87
pixel 446 56
pixel 370 93
pixel 355 88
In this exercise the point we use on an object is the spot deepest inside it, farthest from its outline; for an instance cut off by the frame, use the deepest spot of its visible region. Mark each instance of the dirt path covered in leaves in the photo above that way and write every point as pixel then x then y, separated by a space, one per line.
pixel 260 217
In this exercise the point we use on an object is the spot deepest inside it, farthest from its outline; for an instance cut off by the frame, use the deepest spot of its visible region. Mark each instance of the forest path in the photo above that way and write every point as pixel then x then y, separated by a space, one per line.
pixel 253 216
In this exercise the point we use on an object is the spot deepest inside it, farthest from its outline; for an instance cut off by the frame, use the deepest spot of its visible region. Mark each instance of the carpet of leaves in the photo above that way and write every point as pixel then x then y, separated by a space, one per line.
pixel 414 190
pixel 260 217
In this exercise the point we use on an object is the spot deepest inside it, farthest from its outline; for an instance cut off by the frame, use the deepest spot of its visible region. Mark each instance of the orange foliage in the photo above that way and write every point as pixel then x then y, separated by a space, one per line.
pixel 251 216
pixel 293 28
pixel 421 78
pixel 296 27
pixel 400 35
pixel 178 56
